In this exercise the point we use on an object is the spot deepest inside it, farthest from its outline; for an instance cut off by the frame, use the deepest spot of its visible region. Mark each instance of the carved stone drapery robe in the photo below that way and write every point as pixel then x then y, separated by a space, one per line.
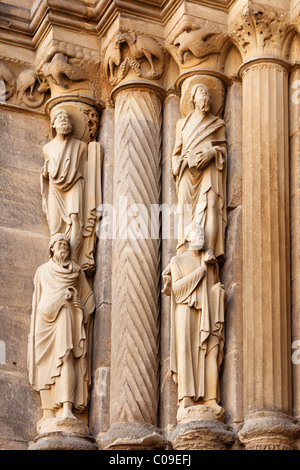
pixel 63 192
pixel 192 183
pixel 197 323
pixel 73 186
pixel 58 327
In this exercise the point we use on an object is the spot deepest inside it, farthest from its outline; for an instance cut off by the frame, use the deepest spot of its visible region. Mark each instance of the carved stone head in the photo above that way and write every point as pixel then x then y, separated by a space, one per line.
pixel 60 247
pixel 60 122
pixel 201 97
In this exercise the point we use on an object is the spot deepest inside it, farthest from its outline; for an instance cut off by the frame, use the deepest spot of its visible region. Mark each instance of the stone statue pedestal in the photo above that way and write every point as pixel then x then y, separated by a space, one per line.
pixel 201 427
pixel 131 436
pixel 62 434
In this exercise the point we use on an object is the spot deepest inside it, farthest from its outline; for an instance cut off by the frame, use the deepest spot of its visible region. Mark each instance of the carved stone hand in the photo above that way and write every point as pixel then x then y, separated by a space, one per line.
pixel 205 158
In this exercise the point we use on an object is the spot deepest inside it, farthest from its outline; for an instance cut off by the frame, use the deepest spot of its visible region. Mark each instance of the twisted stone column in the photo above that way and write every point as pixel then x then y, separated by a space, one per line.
pixel 135 271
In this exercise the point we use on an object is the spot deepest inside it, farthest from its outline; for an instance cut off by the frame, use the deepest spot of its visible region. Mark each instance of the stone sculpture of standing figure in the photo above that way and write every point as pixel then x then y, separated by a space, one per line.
pixel 198 299
pixel 71 187
pixel 59 339
pixel 199 170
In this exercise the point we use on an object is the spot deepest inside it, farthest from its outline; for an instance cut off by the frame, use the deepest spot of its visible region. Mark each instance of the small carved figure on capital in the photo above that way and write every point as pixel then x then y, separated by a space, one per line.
pixel 59 339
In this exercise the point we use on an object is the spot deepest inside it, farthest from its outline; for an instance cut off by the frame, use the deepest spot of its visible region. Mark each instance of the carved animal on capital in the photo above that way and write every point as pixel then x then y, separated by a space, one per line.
pixel 200 42
pixel 29 90
pixel 8 82
pixel 144 47
pixel 113 59
pixel 60 71
pixel 139 48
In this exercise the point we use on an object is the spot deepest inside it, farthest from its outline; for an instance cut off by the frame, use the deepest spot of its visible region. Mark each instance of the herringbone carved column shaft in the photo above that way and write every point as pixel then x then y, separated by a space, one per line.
pixel 136 258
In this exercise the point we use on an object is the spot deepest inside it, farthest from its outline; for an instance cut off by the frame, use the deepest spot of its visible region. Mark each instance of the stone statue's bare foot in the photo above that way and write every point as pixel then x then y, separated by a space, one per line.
pixel 187 401
pixel 209 256
pixel 67 411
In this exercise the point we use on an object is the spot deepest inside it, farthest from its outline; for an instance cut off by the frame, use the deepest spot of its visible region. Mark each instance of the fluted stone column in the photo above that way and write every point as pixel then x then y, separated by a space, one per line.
pixel 135 271
pixel 266 233
pixel 295 231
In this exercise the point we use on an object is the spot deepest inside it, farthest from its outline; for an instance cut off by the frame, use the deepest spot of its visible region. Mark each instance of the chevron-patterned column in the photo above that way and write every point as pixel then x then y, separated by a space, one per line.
pixel 135 272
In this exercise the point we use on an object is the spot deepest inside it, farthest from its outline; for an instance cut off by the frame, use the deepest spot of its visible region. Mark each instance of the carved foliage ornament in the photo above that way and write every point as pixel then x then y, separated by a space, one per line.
pixel 129 50
pixel 260 30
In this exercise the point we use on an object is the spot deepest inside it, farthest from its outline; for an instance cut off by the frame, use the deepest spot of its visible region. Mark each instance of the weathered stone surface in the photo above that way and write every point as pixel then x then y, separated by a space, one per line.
pixel 20 201
pixel 63 441
pixel 14 334
pixel 132 436
pixel 202 435
pixel 17 425
pixel 22 253
pixel 24 150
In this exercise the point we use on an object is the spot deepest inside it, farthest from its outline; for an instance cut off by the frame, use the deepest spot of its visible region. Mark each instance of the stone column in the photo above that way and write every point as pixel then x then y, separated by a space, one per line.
pixel 295 231
pixel 199 427
pixel 262 39
pixel 135 265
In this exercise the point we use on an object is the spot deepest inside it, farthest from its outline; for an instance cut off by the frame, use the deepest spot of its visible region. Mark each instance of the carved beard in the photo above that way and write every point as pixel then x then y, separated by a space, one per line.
pixel 204 105
pixel 63 128
pixel 61 257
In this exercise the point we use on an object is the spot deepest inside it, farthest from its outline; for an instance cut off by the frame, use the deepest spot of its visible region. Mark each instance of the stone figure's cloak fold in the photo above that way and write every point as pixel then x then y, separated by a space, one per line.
pixel 197 312
pixel 192 183
pixel 58 327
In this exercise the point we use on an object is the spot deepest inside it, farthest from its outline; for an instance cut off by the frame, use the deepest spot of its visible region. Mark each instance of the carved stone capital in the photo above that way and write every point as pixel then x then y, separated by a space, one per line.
pixel 197 44
pixel 133 54
pixel 65 68
pixel 261 31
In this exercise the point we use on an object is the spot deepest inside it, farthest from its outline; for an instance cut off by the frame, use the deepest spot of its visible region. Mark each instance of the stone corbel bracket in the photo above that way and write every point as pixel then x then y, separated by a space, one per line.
pixel 262 31
pixel 133 51
pixel 198 44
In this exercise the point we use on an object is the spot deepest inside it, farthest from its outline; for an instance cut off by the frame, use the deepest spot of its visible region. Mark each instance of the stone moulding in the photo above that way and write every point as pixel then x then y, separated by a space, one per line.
pixel 26 27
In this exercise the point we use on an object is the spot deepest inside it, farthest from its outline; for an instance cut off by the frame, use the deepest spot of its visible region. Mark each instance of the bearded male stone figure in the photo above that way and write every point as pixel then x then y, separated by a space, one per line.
pixel 59 339
pixel 63 179
pixel 199 170
pixel 198 302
